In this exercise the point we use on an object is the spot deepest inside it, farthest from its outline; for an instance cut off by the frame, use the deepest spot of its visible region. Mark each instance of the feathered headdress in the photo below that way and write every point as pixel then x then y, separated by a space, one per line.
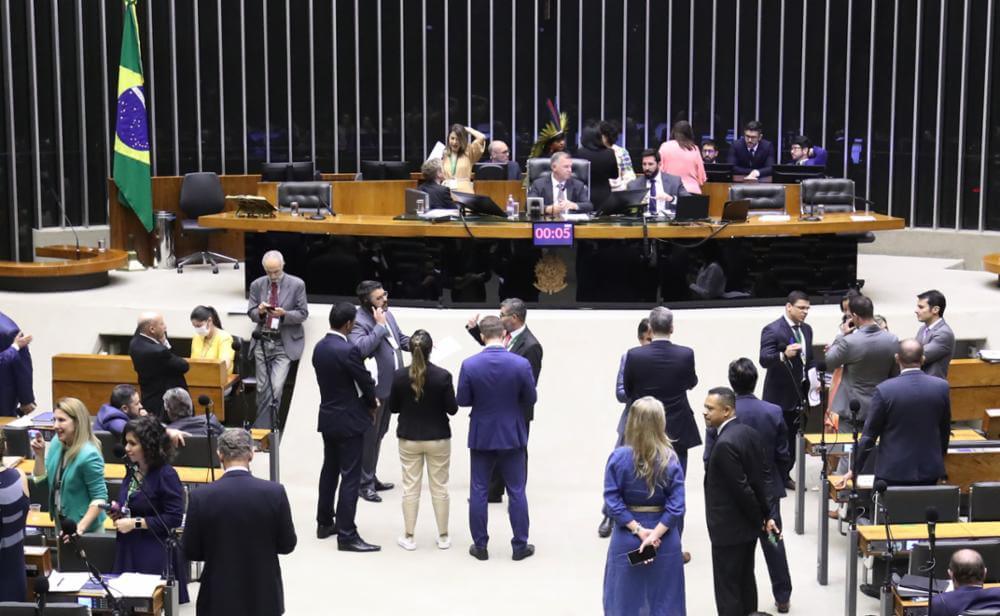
pixel 552 131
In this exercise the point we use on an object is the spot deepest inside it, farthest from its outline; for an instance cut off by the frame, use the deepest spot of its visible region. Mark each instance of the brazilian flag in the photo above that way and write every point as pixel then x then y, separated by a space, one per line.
pixel 131 166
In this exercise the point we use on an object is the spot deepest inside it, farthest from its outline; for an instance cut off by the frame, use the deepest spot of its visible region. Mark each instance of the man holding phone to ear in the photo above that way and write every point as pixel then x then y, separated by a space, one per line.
pixel 378 337
pixel 278 305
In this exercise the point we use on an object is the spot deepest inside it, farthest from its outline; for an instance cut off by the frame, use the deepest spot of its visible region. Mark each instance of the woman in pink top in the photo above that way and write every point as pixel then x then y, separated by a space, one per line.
pixel 681 157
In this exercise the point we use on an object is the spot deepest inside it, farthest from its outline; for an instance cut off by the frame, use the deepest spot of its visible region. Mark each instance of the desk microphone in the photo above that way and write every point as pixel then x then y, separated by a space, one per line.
pixel 41 588
pixel 855 407
pixel 931 515
pixel 206 402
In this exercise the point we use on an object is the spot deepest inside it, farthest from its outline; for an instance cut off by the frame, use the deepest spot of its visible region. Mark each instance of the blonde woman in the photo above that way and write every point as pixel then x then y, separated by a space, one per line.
pixel 644 494
pixel 424 396
pixel 73 468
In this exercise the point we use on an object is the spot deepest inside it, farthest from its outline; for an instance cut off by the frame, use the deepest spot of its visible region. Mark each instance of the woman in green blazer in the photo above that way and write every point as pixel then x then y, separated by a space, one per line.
pixel 73 468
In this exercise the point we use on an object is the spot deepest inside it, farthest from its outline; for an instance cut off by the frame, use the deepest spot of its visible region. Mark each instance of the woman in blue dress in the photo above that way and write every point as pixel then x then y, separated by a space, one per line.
pixel 644 494
pixel 151 486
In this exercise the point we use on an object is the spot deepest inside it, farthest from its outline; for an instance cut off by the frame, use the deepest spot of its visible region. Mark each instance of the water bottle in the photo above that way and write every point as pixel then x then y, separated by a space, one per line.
pixel 421 207
pixel 511 208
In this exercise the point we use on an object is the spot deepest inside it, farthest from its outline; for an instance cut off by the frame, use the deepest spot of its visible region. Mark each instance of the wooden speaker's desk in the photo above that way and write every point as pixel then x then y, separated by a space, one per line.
pixel 975 387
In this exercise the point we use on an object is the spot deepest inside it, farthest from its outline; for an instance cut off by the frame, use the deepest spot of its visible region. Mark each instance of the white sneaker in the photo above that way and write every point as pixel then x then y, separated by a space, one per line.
pixel 444 542
pixel 407 543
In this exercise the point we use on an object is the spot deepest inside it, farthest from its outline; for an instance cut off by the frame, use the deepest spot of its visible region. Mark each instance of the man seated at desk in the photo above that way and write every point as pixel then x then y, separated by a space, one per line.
pixel 438 195
pixel 180 411
pixel 560 191
pixel 967 572
pixel 663 188
pixel 752 156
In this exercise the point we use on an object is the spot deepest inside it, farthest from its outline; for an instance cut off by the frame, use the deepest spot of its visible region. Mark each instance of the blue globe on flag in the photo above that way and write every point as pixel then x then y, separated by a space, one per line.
pixel 131 124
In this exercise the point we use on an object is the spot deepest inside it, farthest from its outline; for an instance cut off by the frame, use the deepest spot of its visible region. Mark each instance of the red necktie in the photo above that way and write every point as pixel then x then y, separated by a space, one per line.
pixel 506 340
pixel 273 299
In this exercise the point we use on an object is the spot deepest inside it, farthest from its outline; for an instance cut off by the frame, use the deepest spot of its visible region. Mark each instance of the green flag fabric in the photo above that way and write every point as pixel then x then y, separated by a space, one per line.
pixel 131 165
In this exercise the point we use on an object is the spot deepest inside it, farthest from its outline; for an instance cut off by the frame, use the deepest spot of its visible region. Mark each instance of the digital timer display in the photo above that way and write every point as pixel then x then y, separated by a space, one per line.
pixel 552 233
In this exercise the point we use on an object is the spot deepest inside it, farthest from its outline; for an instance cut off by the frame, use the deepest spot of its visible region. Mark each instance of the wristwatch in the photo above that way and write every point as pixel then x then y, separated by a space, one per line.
pixel 637 529
pixel 140 523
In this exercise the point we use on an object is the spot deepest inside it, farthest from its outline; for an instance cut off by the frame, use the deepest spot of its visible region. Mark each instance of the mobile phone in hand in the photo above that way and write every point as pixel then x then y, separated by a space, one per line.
pixel 639 557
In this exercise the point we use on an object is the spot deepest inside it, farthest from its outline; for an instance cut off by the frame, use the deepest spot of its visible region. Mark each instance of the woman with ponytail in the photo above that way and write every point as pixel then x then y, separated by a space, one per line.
pixel 424 395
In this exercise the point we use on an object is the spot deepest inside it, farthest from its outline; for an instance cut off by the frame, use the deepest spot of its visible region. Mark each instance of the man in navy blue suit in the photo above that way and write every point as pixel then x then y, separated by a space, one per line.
pixel 665 371
pixel 498 385
pixel 786 354
pixel 346 410
pixel 17 396
pixel 910 419
pixel 766 419
pixel 752 156
pixel 967 572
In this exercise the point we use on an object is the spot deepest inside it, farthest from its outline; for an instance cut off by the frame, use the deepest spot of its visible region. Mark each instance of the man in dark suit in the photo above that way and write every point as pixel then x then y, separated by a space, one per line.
pixel 908 413
pixel 934 333
pixel 346 412
pixel 277 303
pixel 155 363
pixel 17 395
pixel 239 523
pixel 786 354
pixel 500 154
pixel 766 419
pixel 519 340
pixel 737 505
pixel 438 195
pixel 178 411
pixel 663 188
pixel 560 191
pixel 498 386
pixel 967 572
pixel 665 371
pixel 752 156
pixel 378 338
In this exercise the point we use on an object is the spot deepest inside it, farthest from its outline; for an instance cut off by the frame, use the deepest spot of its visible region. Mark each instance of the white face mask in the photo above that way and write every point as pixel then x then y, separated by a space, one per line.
pixel 201 330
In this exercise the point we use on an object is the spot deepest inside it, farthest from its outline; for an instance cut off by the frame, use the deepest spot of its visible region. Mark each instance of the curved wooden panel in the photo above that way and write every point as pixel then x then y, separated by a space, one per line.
pixel 90 261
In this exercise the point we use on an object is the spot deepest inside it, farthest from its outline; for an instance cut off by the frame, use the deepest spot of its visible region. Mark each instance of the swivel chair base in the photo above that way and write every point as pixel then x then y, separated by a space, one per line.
pixel 206 257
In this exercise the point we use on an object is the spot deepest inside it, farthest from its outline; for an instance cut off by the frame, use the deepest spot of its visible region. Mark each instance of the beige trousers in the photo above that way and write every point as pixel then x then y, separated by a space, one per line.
pixel 412 455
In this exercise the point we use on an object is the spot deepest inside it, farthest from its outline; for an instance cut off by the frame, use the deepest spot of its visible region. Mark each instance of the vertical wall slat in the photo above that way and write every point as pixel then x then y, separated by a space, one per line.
pixel 916 113
pixel 987 68
pixel 8 86
pixel 960 171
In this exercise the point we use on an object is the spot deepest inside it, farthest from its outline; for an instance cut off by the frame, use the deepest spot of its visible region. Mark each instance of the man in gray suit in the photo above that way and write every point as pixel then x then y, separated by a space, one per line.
pixel 663 188
pixel 377 336
pixel 934 334
pixel 868 355
pixel 278 305
pixel 560 191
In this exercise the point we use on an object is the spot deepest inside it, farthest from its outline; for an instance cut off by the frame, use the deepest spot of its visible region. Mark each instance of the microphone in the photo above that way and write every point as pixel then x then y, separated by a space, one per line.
pixel 66 219
pixel 69 530
pixel 855 407
pixel 41 588
pixel 931 515
pixel 257 334
pixel 204 400
pixel 880 486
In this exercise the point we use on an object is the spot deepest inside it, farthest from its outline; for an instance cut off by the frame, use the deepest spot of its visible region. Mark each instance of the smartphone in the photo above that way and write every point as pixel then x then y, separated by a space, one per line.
pixel 33 434
pixel 638 557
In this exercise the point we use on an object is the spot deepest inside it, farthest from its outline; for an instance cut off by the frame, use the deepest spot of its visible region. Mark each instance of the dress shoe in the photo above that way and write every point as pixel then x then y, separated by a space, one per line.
pixel 782 607
pixel 604 530
pixel 382 487
pixel 528 550
pixel 322 532
pixel 789 484
pixel 871 590
pixel 371 495
pixel 479 553
pixel 357 545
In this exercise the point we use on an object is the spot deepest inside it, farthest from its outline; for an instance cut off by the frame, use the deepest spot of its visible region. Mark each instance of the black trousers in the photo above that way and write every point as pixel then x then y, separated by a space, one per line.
pixel 341 464
pixel 497 486
pixel 735 585
pixel 373 445
pixel 777 560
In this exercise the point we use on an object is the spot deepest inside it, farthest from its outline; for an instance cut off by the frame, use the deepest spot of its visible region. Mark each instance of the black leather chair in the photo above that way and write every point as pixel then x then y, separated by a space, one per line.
pixel 309 195
pixel 834 194
pixel 100 549
pixel 908 504
pixel 108 441
pixel 195 452
pixel 764 198
pixel 491 171
pixel 984 501
pixel 201 195
pixel 540 167
pixel 18 443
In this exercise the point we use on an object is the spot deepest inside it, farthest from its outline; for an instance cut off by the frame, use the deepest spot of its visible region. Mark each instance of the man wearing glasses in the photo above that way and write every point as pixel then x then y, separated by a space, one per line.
pixel 520 341
pixel 500 155
pixel 752 156
pixel 786 354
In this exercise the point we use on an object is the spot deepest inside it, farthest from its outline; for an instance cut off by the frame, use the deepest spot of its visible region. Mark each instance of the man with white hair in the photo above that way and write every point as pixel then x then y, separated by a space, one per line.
pixel 278 306
pixel 180 415
pixel 159 369
pixel 500 155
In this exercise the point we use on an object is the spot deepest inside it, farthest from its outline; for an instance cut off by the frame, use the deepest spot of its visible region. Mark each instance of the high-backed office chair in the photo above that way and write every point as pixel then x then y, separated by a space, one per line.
pixel 984 501
pixel 100 549
pixel 17 441
pixel 490 171
pixel 108 441
pixel 201 195
pixel 908 504
pixel 309 195
pixel 835 194
pixel 195 452
pixel 540 167
pixel 989 549
pixel 764 198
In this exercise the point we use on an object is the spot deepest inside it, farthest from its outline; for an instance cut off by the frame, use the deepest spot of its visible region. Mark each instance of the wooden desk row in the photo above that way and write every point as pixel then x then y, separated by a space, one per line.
pixel 867 535
pixel 116 472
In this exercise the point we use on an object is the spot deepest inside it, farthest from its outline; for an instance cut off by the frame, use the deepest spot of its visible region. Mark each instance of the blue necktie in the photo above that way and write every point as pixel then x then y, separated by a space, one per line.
pixel 652 197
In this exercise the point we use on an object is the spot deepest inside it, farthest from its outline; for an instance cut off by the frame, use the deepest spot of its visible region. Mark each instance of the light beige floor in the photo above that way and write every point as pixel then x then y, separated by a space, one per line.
pixel 570 441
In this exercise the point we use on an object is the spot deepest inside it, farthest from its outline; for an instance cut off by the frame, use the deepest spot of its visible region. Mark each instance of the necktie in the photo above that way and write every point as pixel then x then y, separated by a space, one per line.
pixel 652 197
pixel 273 299
pixel 797 331
pixel 506 340
pixel 562 193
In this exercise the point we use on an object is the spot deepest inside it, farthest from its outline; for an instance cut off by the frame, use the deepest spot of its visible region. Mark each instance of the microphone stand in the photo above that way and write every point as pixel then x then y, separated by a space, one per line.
pixel 208 441
pixel 929 567
pixel 824 450
pixel 275 435
pixel 800 446
pixel 115 602
pixel 171 599
pixel 886 607
pixel 851 587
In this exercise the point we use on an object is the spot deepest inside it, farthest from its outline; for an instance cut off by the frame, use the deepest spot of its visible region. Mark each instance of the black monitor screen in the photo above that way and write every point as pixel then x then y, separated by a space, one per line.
pixel 719 172
pixel 794 174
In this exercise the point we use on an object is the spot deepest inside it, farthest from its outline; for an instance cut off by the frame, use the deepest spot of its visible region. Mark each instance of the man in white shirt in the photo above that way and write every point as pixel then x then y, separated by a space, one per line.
pixel 663 188
pixel 560 191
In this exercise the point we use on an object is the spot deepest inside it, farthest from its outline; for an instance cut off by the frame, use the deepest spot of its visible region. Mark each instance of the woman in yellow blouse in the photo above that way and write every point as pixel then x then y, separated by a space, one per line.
pixel 460 156
pixel 210 340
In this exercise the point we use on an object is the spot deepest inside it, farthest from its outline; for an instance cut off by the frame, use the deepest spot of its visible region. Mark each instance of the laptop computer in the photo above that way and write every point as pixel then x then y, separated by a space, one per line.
pixel 692 208
pixel 736 211
pixel 412 195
